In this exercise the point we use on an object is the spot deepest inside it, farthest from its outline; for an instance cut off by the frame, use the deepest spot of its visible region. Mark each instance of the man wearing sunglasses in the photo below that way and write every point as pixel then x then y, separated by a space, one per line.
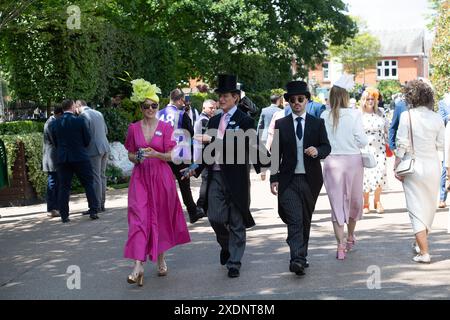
pixel 303 142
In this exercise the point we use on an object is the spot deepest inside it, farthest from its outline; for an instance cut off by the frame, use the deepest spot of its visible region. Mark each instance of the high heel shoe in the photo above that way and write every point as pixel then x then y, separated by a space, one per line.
pixel 162 267
pixel 137 276
pixel 351 241
pixel 340 254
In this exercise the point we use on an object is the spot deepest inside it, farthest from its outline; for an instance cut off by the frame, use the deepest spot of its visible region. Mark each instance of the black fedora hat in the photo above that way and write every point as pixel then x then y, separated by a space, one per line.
pixel 295 88
pixel 227 83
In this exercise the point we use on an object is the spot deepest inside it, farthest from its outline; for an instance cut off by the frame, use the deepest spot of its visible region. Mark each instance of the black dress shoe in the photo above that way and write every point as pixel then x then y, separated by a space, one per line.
pixel 233 273
pixel 297 268
pixel 306 264
pixel 65 220
pixel 93 216
pixel 199 213
pixel 224 256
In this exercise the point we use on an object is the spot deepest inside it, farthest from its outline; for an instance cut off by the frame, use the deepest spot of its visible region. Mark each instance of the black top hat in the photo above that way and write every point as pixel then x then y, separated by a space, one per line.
pixel 227 83
pixel 295 88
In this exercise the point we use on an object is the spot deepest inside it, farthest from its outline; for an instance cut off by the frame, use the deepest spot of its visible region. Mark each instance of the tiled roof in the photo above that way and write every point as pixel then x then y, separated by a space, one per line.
pixel 402 42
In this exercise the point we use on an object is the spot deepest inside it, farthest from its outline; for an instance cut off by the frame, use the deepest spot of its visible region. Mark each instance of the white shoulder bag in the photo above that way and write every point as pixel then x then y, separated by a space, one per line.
pixel 406 166
pixel 368 159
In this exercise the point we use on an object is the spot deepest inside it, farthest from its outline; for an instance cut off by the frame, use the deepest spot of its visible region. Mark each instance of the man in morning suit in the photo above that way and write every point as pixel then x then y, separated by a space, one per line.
pixel 303 142
pixel 228 186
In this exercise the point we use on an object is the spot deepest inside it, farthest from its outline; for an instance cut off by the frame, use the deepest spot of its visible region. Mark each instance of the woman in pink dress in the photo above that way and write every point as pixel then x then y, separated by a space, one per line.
pixel 155 216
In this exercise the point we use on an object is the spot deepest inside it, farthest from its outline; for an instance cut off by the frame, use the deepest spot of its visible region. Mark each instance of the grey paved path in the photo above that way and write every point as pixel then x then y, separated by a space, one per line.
pixel 35 253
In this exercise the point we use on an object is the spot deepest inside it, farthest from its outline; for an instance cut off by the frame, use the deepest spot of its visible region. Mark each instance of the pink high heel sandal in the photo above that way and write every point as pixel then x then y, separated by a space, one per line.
pixel 350 243
pixel 340 254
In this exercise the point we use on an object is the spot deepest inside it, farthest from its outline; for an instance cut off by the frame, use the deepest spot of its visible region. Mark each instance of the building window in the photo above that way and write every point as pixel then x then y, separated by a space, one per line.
pixel 325 71
pixel 387 69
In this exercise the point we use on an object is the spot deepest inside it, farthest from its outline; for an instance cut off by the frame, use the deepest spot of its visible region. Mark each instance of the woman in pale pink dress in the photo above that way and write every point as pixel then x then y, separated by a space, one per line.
pixel 155 216
pixel 343 168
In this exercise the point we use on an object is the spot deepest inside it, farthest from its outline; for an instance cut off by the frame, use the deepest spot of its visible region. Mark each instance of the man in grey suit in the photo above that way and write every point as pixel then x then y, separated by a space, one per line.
pixel 265 119
pixel 49 165
pixel 267 114
pixel 98 148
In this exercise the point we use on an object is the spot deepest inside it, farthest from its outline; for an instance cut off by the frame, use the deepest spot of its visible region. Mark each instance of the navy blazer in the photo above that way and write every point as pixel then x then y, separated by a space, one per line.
pixel 400 106
pixel 444 110
pixel 71 137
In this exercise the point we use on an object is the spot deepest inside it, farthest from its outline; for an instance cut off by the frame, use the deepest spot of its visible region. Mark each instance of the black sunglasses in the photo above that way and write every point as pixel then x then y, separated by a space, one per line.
pixel 299 99
pixel 146 106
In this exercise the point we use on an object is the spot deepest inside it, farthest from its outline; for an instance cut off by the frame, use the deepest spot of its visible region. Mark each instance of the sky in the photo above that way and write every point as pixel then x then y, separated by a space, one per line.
pixel 391 14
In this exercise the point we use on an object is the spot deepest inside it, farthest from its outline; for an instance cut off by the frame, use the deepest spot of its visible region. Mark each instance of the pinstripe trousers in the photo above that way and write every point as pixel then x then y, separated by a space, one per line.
pixel 298 205
pixel 226 220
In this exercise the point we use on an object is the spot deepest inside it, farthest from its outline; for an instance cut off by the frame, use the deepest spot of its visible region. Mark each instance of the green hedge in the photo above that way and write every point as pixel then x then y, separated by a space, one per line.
pixel 117 121
pixel 21 127
pixel 33 143
pixel 132 108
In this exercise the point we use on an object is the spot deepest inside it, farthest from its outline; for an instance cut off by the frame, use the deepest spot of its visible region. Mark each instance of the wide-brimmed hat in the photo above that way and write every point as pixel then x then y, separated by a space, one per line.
pixel 295 88
pixel 227 83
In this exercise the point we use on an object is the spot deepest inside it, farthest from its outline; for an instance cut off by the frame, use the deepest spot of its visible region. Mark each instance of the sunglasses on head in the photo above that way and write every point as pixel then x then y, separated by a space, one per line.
pixel 299 99
pixel 146 106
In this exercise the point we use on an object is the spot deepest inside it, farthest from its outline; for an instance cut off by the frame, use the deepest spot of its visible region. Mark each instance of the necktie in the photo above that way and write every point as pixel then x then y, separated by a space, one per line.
pixel 222 125
pixel 299 130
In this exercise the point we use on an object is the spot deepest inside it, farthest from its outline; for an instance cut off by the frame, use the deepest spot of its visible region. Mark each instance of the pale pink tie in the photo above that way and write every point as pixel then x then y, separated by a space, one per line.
pixel 222 126
pixel 220 133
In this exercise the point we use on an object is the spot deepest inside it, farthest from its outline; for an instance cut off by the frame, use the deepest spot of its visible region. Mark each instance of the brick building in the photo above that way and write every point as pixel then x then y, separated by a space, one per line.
pixel 404 57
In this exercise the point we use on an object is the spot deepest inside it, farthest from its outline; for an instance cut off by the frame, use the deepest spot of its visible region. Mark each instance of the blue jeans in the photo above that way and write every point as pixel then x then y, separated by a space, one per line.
pixel 52 191
pixel 442 191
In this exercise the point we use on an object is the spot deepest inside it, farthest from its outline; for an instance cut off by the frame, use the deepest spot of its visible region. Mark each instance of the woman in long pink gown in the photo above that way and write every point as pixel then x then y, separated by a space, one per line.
pixel 155 216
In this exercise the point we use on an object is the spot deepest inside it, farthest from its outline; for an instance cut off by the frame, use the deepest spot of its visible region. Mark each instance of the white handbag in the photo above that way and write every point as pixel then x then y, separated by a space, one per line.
pixel 368 159
pixel 406 165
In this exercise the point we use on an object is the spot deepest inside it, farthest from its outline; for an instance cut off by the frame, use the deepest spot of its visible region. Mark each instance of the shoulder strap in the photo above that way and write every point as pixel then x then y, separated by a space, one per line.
pixel 410 134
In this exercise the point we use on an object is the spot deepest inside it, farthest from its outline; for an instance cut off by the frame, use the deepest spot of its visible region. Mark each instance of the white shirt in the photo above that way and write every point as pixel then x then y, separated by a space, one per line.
pixel 349 136
pixel 300 167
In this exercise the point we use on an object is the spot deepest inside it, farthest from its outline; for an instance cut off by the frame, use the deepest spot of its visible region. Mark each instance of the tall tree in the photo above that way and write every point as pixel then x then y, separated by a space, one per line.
pixel 279 30
pixel 163 41
pixel 358 53
pixel 212 35
pixel 440 56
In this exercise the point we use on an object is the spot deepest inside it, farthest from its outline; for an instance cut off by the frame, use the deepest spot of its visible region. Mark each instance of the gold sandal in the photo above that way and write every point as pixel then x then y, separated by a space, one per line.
pixel 162 267
pixel 137 276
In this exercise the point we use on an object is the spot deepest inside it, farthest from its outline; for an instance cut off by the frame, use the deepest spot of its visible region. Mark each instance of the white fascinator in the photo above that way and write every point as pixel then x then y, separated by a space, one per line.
pixel 345 82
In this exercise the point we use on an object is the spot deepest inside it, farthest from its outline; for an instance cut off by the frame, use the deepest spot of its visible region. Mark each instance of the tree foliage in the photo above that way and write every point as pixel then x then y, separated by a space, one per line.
pixel 358 53
pixel 388 88
pixel 164 41
pixel 440 56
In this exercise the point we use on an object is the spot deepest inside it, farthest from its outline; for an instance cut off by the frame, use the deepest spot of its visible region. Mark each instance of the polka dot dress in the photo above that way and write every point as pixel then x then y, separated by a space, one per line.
pixel 376 127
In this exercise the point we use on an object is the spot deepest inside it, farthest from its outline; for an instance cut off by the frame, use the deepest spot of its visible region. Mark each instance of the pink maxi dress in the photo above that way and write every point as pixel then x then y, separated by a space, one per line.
pixel 155 217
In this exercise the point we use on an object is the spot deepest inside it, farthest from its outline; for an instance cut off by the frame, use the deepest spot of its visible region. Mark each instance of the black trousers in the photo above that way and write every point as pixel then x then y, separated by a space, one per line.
pixel 298 204
pixel 83 170
pixel 185 188
pixel 201 202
